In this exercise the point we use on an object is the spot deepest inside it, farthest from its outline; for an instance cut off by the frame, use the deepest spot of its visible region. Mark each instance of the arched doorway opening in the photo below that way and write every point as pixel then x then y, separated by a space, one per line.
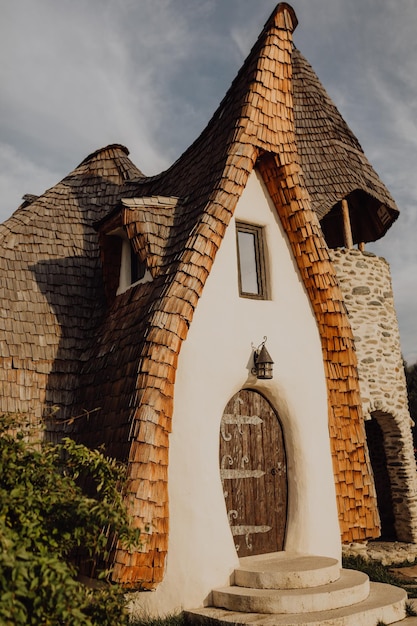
pixel 379 463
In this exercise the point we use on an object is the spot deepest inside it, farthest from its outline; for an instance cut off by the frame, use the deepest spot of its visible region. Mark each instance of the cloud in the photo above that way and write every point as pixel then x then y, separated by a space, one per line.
pixel 15 168
pixel 149 74
pixel 78 78
pixel 81 75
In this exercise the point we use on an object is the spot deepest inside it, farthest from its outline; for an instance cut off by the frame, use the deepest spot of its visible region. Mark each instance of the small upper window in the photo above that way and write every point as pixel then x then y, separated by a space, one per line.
pixel 137 267
pixel 132 270
pixel 251 261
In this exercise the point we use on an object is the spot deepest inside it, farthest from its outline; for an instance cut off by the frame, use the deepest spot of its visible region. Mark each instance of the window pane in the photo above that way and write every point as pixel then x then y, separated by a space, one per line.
pixel 137 267
pixel 247 258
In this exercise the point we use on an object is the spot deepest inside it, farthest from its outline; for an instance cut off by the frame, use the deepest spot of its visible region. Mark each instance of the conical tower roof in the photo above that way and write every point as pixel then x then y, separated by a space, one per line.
pixel 333 162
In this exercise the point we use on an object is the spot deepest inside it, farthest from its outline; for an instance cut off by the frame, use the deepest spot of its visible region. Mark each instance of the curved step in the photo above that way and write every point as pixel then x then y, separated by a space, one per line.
pixel 283 570
pixel 350 588
pixel 385 603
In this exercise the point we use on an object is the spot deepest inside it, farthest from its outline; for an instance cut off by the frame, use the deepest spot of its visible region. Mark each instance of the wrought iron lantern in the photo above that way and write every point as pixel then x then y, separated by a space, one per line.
pixel 263 363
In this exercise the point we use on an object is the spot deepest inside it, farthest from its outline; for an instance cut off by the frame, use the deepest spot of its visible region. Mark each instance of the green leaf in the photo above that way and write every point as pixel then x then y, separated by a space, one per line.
pixel 46 512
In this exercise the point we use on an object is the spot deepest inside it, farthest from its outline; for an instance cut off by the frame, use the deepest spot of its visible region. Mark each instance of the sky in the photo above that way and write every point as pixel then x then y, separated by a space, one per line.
pixel 77 75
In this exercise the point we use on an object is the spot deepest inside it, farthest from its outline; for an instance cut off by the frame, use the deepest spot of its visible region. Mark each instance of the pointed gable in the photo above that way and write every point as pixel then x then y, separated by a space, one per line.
pixel 176 221
pixel 149 222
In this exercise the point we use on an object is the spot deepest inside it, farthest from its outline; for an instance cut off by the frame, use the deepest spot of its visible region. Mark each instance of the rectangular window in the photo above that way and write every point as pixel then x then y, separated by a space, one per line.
pixel 137 267
pixel 251 261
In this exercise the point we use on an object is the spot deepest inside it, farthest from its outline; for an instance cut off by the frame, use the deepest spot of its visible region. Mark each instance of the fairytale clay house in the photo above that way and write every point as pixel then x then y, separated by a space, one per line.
pixel 141 303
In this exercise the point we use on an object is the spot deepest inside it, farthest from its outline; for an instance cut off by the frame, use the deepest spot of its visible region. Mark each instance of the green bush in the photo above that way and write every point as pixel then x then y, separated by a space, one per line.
pixel 46 515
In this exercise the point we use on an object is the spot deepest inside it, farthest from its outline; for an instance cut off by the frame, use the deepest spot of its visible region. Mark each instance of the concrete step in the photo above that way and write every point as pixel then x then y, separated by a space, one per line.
pixel 408 621
pixel 412 620
pixel 283 570
pixel 350 588
pixel 384 603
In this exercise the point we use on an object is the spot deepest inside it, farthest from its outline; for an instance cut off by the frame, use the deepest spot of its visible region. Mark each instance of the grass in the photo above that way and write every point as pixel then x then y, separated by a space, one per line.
pixel 381 573
pixel 176 619
pixel 376 571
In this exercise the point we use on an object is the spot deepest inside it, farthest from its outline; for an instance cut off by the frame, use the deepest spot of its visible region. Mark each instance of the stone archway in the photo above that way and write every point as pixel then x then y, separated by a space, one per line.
pixel 393 463
pixel 376 447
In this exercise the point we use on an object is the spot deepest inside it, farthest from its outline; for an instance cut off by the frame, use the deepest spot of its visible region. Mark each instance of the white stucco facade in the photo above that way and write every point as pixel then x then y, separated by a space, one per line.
pixel 215 363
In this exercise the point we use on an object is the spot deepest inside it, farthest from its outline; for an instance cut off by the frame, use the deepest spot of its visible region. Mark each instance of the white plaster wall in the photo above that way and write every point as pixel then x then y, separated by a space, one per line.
pixel 214 364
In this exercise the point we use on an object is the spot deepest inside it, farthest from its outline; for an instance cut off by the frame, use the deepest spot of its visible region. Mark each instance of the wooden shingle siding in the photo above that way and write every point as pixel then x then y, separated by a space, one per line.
pixel 355 491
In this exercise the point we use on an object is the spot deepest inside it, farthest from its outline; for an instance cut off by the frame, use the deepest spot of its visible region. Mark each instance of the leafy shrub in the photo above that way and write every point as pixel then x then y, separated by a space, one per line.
pixel 46 515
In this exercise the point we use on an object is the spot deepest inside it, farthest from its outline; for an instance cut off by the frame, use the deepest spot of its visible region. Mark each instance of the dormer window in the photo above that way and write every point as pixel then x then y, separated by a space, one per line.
pixel 133 271
pixel 251 261
pixel 137 267
pixel 122 266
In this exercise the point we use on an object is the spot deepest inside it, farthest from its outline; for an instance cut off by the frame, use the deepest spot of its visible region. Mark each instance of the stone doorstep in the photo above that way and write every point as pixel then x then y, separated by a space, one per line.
pixel 385 603
pixel 352 587
pixel 294 607
pixel 283 570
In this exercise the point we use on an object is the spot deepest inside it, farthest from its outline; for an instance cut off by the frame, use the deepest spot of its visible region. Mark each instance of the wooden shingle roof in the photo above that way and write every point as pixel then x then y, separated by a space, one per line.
pixel 116 356
pixel 51 287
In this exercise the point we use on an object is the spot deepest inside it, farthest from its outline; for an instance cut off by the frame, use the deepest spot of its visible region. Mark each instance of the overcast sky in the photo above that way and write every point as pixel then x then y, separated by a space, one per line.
pixel 77 75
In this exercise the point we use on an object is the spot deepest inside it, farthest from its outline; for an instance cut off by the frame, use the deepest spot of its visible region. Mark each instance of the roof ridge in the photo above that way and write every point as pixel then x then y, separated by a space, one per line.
pixel 150 201
pixel 283 16
pixel 96 153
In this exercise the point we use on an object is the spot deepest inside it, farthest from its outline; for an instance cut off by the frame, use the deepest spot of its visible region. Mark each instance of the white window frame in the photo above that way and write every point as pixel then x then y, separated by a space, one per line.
pixel 125 278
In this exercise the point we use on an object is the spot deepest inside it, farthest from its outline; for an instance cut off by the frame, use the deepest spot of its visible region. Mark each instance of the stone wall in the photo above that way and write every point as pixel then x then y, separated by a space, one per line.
pixel 365 280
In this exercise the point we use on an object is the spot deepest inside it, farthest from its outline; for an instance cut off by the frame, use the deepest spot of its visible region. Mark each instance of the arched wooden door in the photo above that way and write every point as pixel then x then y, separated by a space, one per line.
pixel 254 473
